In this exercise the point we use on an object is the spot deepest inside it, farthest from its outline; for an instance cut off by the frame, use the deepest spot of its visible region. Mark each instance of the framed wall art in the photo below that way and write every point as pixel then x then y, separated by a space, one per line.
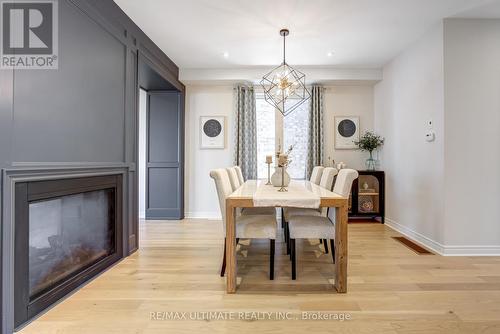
pixel 346 132
pixel 212 132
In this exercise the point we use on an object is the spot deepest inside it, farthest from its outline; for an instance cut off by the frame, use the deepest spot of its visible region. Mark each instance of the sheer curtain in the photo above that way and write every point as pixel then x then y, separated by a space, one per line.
pixel 245 131
pixel 296 133
pixel 316 137
pixel 266 133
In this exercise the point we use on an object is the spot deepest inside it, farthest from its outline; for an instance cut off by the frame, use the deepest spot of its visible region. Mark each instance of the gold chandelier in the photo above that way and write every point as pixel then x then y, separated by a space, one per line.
pixel 285 87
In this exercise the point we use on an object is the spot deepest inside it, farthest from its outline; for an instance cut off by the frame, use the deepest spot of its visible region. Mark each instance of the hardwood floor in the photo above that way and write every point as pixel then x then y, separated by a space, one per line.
pixel 391 289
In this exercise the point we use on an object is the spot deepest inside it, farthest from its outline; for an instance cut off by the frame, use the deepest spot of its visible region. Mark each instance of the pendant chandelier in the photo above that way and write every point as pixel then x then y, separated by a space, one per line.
pixel 285 87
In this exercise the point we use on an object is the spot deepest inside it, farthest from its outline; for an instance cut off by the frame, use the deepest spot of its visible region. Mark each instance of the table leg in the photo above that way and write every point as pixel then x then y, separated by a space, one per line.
pixel 341 220
pixel 230 248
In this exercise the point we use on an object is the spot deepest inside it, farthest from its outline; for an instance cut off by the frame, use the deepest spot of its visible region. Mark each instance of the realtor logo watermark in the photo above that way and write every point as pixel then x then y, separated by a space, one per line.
pixel 29 35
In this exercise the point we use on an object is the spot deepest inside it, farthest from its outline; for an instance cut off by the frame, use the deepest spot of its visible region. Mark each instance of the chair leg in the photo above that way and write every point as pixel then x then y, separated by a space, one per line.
pixel 325 244
pixel 294 265
pixel 287 238
pixel 288 247
pixel 237 240
pixel 223 268
pixel 285 232
pixel 272 245
pixel 282 218
pixel 332 246
pixel 284 225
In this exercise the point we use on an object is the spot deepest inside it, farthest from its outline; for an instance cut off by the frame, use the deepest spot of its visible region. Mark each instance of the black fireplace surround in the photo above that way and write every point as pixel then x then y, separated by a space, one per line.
pixel 66 232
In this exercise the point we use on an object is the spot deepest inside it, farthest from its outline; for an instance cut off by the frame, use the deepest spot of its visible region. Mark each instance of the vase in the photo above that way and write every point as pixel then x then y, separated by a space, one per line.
pixel 371 163
pixel 276 178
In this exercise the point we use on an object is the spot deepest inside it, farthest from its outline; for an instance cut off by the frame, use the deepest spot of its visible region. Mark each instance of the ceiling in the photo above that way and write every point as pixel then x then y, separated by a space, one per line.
pixel 490 10
pixel 357 33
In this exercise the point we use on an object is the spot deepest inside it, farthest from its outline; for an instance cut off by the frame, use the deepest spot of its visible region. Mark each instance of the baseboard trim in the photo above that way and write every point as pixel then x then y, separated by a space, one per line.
pixel 438 248
pixel 203 215
pixel 432 245
pixel 472 250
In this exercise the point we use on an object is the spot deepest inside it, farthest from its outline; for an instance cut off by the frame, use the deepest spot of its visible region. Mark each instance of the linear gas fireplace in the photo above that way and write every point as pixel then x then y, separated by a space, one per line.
pixel 66 232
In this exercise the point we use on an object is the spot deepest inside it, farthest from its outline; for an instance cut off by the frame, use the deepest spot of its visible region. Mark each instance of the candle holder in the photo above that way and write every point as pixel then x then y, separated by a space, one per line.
pixel 268 174
pixel 283 189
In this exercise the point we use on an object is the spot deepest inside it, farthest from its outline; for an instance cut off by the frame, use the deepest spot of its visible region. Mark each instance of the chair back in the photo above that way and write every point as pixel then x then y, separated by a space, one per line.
pixel 327 178
pixel 224 189
pixel 233 178
pixel 344 182
pixel 316 174
pixel 240 174
pixel 326 182
pixel 342 186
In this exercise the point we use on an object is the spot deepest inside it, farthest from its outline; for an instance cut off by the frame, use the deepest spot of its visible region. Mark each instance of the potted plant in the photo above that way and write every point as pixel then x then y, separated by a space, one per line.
pixel 370 141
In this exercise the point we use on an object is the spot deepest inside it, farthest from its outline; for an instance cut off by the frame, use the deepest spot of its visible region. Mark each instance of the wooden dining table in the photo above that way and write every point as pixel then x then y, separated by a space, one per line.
pixel 244 197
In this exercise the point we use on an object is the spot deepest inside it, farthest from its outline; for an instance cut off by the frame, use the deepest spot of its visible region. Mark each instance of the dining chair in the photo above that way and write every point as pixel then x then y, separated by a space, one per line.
pixel 319 227
pixel 240 174
pixel 233 178
pixel 315 178
pixel 316 174
pixel 326 181
pixel 247 226
pixel 234 175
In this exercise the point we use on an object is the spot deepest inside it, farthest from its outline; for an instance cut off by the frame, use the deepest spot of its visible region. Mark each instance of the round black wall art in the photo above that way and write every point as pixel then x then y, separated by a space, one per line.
pixel 347 128
pixel 212 128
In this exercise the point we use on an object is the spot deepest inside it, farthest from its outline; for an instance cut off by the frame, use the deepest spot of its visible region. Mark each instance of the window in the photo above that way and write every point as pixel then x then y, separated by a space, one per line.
pixel 295 132
pixel 274 130
pixel 266 135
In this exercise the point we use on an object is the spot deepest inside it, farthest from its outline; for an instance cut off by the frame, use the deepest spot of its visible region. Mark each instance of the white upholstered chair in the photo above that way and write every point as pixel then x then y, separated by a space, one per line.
pixel 326 181
pixel 233 178
pixel 315 178
pixel 316 174
pixel 319 227
pixel 247 226
pixel 236 177
pixel 240 174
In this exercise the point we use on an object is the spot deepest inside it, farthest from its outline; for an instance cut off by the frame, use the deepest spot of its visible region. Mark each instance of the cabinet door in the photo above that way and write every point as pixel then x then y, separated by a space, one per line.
pixel 368 194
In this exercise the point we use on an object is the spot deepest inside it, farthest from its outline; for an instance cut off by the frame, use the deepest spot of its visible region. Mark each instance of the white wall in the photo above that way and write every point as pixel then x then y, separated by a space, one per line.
pixel 472 128
pixel 201 197
pixel 410 94
pixel 143 95
pixel 347 101
pixel 445 194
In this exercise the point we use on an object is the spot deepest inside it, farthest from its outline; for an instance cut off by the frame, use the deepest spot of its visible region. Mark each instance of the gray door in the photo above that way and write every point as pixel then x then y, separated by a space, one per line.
pixel 164 176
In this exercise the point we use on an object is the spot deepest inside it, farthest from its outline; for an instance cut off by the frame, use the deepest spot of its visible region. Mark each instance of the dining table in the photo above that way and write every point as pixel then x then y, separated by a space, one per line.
pixel 299 193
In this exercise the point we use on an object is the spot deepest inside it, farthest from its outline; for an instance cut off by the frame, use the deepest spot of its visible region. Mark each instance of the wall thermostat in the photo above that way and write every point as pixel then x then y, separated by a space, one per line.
pixel 430 136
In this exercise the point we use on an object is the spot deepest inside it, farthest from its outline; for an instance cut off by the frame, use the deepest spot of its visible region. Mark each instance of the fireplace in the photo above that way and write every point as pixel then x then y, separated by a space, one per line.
pixel 66 232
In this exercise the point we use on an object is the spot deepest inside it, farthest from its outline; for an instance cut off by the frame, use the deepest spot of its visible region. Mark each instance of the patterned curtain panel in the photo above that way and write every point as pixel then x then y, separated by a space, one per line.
pixel 245 145
pixel 315 142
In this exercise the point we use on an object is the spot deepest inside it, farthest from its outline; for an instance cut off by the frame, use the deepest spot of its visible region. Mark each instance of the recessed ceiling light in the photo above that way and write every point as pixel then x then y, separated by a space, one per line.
pixel 225 55
pixel 329 54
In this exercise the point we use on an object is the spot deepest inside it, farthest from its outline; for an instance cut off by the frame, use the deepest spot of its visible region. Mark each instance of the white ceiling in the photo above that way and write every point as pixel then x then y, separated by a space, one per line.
pixel 360 33
pixel 490 10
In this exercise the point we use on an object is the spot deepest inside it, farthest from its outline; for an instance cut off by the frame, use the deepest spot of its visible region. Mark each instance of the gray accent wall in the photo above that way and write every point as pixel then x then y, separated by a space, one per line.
pixel 82 117
pixel 80 112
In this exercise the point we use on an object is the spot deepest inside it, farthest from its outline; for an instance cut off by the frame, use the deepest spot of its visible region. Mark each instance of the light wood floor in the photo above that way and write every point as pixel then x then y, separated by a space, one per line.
pixel 391 289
